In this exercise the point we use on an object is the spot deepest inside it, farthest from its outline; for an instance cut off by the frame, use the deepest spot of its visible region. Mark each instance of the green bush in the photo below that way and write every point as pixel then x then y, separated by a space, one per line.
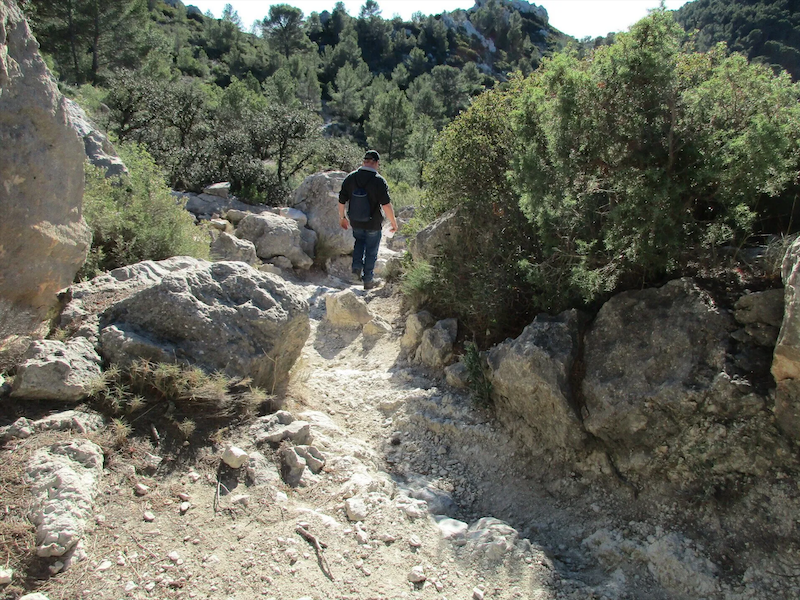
pixel 593 175
pixel 642 158
pixel 135 217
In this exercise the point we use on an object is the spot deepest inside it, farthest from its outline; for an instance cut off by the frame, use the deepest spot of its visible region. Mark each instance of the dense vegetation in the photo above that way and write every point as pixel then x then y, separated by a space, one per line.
pixel 639 161
pixel 766 31
pixel 212 102
pixel 575 174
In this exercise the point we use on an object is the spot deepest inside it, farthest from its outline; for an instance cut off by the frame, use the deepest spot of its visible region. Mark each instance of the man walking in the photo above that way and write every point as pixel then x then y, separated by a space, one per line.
pixel 367 233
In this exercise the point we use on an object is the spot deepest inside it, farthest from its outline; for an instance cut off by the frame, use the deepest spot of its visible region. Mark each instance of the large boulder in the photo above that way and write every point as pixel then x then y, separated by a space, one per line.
pixel 230 247
pixel 786 360
pixel 531 388
pixel 274 236
pixel 662 394
pixel 650 355
pixel 345 309
pixel 54 370
pixel 43 236
pixel 85 301
pixel 433 240
pixel 98 149
pixel 223 316
pixel 318 198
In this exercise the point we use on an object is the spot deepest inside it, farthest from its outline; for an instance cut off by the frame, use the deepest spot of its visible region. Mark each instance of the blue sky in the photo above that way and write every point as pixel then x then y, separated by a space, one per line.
pixel 578 18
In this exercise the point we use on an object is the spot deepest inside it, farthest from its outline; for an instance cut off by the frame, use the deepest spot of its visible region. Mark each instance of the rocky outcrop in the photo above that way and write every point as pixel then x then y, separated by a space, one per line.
pixel 223 316
pixel 229 247
pixel 98 149
pixel 275 236
pixel 530 377
pixel 786 361
pixel 650 358
pixel 63 481
pixel 436 345
pixel 318 197
pixel 43 237
pixel 53 370
pixel 431 241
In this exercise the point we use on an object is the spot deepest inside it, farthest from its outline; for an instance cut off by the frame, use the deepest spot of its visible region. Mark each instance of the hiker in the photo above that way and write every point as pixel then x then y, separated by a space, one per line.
pixel 367 192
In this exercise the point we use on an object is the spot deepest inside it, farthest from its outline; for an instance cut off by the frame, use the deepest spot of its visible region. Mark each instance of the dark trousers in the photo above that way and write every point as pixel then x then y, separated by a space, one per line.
pixel 365 252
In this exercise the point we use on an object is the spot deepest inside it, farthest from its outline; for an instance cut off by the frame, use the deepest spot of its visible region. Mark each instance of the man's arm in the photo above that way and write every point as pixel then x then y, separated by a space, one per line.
pixel 343 197
pixel 389 211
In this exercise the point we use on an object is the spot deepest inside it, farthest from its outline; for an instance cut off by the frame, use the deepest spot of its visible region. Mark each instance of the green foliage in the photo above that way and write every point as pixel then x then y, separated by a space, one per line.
pixel 479 384
pixel 766 31
pixel 389 123
pixel 645 157
pixel 603 173
pixel 135 218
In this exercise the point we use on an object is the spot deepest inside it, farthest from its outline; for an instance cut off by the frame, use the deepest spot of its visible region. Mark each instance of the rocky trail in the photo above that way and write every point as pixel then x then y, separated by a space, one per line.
pixel 401 488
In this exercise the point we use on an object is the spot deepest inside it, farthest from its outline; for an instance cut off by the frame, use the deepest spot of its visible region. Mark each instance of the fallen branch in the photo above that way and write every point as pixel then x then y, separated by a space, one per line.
pixel 318 546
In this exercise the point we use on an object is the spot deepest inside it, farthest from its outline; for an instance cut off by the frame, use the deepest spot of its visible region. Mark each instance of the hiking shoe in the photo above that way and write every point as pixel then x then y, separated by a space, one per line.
pixel 373 283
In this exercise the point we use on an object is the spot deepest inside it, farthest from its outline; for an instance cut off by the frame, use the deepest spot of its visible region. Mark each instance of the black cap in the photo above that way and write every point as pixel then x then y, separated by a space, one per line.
pixel 372 155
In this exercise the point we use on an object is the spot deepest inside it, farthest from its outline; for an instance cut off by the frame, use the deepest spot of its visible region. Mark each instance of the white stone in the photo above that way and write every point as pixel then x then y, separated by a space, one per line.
pixel 194 476
pixel 148 516
pixel 174 556
pixel 185 506
pixel 5 576
pixel 417 574
pixel 234 457
pixel 105 565
pixel 140 489
pixel 414 542
pixel 452 528
pixel 478 594
pixel 356 509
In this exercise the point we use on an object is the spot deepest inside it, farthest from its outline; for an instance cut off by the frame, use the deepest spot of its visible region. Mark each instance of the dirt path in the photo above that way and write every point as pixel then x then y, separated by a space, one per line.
pixel 423 496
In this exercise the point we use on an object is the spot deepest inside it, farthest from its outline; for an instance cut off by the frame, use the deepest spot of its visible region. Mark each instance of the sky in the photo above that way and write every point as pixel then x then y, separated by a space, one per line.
pixel 578 18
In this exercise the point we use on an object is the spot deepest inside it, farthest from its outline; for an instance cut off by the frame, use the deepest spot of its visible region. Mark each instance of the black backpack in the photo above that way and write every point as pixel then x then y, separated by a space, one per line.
pixel 359 208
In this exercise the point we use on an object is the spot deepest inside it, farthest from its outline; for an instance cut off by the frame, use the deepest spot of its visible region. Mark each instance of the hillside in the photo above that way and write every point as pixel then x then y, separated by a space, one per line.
pixel 765 31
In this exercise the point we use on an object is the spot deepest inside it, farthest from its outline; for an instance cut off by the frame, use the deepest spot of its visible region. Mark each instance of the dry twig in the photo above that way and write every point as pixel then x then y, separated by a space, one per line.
pixel 318 546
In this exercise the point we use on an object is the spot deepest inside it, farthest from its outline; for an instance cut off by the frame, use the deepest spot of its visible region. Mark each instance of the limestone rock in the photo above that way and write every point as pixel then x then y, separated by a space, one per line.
pixel 273 429
pixel 221 190
pixel 293 466
pixel 356 509
pixel 377 326
pixel 416 324
pixel 436 348
pixel 273 236
pixel 530 377
pixel 431 241
pixel 63 481
pixel 223 316
pixel 43 236
pixel 786 360
pixel 206 206
pixel 99 150
pixel 230 247
pixel 457 375
pixel 318 197
pixel 647 354
pixel 234 457
pixel 85 301
pixel 53 370
pixel 345 309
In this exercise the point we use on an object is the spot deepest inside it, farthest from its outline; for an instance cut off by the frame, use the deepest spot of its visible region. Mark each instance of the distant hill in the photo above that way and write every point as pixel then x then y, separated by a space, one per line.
pixel 767 31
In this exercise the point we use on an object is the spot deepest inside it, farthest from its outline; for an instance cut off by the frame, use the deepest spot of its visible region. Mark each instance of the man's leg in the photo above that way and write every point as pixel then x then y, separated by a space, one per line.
pixel 372 241
pixel 360 236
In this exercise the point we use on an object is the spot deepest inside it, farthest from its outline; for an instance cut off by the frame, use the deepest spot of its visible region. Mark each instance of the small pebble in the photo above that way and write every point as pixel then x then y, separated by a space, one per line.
pixel 414 542
pixel 105 565
pixel 148 516
pixel 5 576
pixel 194 476
pixel 478 594
pixel 185 506
pixel 174 556
pixel 417 575
pixel 141 489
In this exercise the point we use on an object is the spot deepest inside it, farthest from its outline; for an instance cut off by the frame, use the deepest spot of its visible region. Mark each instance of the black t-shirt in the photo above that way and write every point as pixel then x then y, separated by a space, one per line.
pixel 377 192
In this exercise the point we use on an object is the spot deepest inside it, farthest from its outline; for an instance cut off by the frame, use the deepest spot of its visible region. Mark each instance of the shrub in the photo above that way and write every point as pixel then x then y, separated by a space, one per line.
pixel 135 217
pixel 642 158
